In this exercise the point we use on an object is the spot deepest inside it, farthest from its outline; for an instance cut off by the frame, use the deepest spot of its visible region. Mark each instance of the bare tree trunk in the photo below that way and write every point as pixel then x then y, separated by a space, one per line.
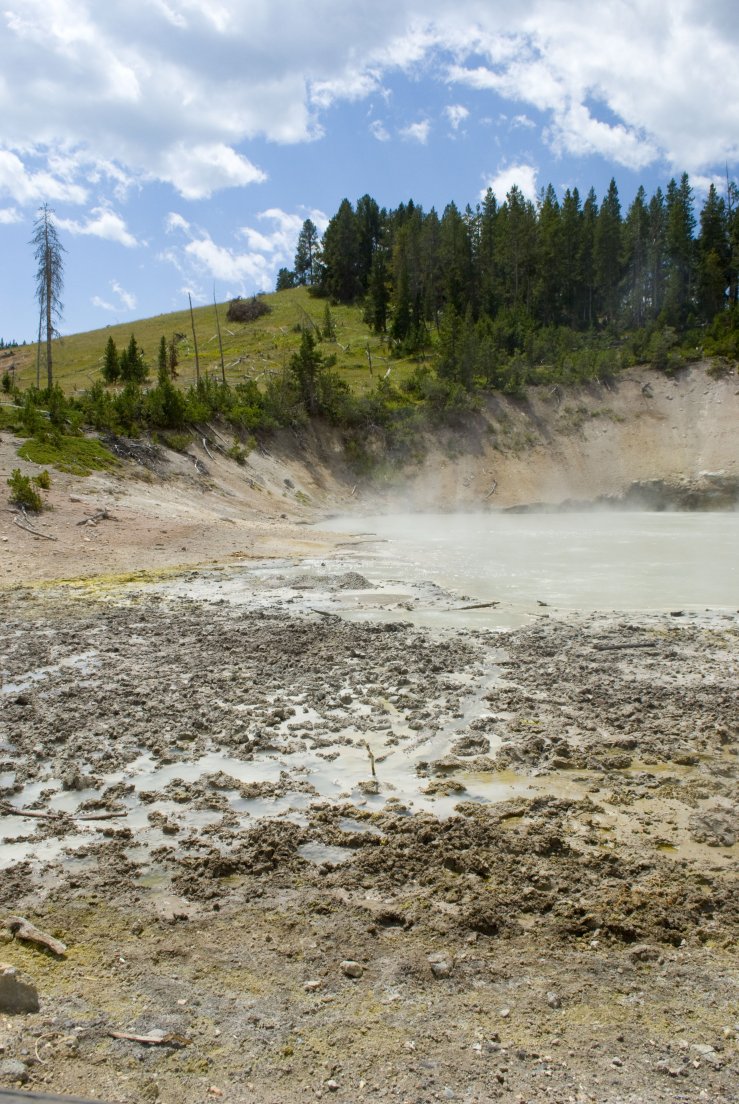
pixel 220 341
pixel 194 341
pixel 49 301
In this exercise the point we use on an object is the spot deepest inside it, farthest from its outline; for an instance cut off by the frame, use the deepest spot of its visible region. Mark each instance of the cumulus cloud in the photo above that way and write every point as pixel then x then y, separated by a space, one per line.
pixel 379 131
pixel 27 187
pixel 523 176
pixel 172 90
pixel 126 300
pixel 456 114
pixel 417 132
pixel 10 214
pixel 101 223
pixel 268 247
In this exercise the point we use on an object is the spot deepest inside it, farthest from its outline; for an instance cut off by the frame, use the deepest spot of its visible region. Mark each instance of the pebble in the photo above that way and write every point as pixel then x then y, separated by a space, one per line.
pixel 311 986
pixel 642 952
pixel 504 1013
pixel 16 996
pixel 554 1000
pixel 332 1086
pixel 13 1070
pixel 351 968
pixel 441 966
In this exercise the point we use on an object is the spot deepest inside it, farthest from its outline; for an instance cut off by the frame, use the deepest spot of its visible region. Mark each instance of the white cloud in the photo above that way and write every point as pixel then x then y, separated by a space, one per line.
pixel 268 248
pixel 417 132
pixel 26 187
pixel 174 221
pixel 379 131
pixel 199 171
pixel 171 90
pixel 456 114
pixel 101 223
pixel 126 300
pixel 9 214
pixel 524 176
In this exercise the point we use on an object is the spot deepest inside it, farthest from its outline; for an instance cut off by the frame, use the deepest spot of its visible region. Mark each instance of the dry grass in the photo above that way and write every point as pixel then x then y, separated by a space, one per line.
pixel 251 350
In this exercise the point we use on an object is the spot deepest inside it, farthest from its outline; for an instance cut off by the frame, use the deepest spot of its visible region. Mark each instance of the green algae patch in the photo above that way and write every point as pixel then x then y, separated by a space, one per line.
pixel 74 455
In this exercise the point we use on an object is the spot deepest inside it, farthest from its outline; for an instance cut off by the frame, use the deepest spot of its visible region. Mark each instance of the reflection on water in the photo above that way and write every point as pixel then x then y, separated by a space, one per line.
pixel 573 561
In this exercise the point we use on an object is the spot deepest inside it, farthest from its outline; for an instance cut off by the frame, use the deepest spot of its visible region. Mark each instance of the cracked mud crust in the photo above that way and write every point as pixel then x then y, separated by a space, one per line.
pixel 533 897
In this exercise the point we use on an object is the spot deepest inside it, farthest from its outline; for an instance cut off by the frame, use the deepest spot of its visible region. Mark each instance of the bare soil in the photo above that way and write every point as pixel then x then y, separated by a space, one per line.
pixel 273 911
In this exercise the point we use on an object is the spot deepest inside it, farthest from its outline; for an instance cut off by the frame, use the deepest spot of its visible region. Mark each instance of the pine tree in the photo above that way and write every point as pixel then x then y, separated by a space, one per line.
pixel 680 247
pixel 306 254
pixel 713 255
pixel 607 253
pixel 636 253
pixel 339 255
pixel 111 368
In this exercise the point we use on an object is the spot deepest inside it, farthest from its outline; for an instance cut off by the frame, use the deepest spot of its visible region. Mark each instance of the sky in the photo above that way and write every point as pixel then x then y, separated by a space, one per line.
pixel 182 143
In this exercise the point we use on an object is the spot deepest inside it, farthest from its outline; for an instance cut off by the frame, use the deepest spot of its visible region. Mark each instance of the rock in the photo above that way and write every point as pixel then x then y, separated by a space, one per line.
pixel 369 786
pixel 441 965
pixel 13 1070
pixel 642 952
pixel 332 1086
pixel 504 1013
pixel 351 968
pixel 16 996
pixel 554 1000
pixel 311 986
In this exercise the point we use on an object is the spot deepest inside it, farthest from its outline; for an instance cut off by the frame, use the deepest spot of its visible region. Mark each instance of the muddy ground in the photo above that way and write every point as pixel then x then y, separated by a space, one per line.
pixel 360 861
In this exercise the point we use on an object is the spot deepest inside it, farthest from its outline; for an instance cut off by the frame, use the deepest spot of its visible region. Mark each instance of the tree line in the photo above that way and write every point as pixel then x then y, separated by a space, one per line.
pixel 519 266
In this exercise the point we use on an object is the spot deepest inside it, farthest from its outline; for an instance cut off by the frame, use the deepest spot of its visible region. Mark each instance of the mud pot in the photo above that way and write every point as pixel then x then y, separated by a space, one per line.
pixel 298 847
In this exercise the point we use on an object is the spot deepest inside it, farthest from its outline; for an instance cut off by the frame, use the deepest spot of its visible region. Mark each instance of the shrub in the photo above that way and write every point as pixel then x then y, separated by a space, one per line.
pixel 247 310
pixel 23 490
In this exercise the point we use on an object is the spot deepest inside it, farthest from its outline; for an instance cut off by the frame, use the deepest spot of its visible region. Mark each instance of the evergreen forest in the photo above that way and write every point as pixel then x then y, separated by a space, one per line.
pixel 501 290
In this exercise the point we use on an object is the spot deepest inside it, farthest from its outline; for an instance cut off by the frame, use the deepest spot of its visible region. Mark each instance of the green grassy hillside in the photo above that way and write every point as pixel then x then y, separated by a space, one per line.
pixel 251 350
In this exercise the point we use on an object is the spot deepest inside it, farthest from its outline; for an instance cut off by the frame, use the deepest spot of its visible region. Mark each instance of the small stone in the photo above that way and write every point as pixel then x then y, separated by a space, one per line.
pixel 504 1013
pixel 617 1062
pixel 642 952
pixel 332 1086
pixel 554 1000
pixel 351 968
pixel 13 1070
pixel 311 986
pixel 441 966
pixel 16 996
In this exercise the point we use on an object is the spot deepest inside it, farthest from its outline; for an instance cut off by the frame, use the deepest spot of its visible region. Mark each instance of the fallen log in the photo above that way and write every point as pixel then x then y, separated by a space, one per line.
pixel 24 929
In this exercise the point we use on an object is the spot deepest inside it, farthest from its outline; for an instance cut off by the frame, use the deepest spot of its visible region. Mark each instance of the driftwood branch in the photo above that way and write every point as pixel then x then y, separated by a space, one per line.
pixel 156 1038
pixel 371 758
pixel 493 489
pixel 35 532
pixel 322 613
pixel 24 929
pixel 100 515
pixel 477 605
pixel 38 814
pixel 205 446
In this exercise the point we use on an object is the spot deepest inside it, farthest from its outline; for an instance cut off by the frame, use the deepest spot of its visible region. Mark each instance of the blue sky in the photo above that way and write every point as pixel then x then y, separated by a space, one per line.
pixel 181 143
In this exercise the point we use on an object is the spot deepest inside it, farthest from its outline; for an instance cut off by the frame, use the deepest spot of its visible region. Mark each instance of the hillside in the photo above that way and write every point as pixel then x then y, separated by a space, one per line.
pixel 251 350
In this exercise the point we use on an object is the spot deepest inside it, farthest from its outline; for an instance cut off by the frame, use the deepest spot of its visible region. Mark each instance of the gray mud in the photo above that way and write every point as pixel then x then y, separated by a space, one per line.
pixel 361 860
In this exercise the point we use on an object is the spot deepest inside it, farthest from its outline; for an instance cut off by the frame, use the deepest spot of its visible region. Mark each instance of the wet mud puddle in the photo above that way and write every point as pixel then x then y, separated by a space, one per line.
pixel 286 686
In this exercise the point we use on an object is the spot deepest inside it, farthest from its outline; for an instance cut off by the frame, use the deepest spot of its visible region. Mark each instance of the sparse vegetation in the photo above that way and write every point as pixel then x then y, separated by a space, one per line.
pixel 24 489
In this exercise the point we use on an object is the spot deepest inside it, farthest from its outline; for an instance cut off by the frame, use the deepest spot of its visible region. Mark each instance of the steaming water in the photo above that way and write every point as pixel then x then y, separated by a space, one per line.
pixel 584 561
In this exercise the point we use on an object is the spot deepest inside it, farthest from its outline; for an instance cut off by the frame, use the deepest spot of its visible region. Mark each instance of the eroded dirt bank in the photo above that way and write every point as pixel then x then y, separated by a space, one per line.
pixel 298 927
